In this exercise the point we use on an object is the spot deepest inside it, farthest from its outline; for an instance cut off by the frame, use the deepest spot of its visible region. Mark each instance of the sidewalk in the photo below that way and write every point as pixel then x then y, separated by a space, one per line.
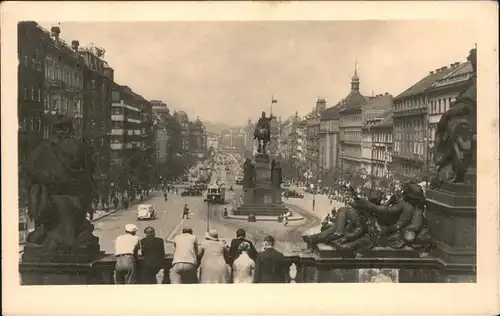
pixel 101 213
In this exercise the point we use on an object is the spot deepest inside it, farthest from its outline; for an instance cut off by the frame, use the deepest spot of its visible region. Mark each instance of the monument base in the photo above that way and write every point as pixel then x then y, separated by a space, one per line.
pixel 36 254
pixel 41 268
pixel 261 209
pixel 451 214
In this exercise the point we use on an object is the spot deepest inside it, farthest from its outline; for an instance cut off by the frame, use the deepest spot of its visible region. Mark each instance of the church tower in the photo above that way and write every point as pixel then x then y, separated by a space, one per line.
pixel 355 79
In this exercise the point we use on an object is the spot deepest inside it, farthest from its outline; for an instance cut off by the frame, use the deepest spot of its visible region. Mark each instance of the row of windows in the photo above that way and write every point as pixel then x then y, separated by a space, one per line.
pixel 351 119
pixel 411 103
pixel 92 123
pixel 352 136
pixel 33 63
pixel 126 112
pixel 380 171
pixel 416 148
pixel 63 103
pixel 377 154
pixel 32 93
pixel 409 136
pixel 69 75
pixel 31 123
pixel 440 106
pixel 382 137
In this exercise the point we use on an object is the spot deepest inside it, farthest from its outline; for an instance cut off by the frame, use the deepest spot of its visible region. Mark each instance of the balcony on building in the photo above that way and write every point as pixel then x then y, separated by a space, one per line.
pixel 117 146
pixel 54 83
pixel 117 131
pixel 117 117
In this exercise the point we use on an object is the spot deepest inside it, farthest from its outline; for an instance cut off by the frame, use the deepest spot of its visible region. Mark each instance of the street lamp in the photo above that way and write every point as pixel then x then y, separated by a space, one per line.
pixel 372 166
pixel 314 194
pixel 208 214
pixel 342 165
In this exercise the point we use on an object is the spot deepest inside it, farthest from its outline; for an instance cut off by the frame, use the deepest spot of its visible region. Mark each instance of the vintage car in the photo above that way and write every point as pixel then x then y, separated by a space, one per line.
pixel 192 192
pixel 239 180
pixel 146 211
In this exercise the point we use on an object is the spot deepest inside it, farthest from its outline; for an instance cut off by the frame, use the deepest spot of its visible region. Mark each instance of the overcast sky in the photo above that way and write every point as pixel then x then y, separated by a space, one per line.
pixel 228 71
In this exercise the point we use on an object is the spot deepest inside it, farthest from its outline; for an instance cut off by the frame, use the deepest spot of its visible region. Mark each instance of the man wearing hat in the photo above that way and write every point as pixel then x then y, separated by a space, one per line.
pixel 270 265
pixel 126 249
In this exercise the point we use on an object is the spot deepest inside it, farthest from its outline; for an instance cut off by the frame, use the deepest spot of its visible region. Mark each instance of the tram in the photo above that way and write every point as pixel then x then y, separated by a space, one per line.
pixel 216 194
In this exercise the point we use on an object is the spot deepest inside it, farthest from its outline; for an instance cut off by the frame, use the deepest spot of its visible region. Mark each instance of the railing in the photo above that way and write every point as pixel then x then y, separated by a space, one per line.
pixel 301 267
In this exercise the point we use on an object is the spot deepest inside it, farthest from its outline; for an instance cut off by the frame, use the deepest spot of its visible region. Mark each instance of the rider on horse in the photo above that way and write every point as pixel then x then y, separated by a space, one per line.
pixel 263 132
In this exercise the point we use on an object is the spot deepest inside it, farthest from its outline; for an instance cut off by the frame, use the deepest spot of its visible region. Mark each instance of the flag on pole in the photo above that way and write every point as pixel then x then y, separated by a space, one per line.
pixel 274 101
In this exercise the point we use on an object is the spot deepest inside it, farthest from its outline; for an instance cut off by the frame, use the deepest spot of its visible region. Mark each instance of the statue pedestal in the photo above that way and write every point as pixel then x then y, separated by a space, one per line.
pixel 39 267
pixel 451 214
pixel 263 199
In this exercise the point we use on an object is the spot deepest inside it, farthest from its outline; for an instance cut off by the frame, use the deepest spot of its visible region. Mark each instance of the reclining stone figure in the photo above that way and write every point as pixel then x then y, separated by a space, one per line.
pixel 401 220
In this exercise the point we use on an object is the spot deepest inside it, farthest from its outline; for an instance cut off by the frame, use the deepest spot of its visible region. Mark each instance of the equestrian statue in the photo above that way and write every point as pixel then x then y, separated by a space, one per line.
pixel 262 132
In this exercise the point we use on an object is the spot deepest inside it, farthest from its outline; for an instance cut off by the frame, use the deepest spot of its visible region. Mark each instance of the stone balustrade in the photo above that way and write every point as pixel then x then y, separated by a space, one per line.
pixel 303 267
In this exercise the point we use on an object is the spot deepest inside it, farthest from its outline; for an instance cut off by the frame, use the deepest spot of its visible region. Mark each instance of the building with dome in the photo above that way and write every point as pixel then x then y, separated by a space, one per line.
pixel 183 120
pixel 197 138
pixel 351 124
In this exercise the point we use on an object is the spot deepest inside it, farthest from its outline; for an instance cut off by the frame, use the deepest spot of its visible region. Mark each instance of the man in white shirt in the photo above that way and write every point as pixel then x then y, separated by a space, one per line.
pixel 126 249
pixel 185 261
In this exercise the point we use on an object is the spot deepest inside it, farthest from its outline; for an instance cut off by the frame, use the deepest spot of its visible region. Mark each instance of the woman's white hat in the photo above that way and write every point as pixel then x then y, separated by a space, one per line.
pixel 212 234
pixel 131 228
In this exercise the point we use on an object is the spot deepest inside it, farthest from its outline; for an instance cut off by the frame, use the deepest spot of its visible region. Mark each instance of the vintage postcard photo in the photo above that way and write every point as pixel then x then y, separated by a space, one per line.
pixel 249 151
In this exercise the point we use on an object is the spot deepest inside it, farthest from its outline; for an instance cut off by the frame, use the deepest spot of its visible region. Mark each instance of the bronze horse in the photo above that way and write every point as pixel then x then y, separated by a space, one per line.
pixel 262 136
pixel 263 133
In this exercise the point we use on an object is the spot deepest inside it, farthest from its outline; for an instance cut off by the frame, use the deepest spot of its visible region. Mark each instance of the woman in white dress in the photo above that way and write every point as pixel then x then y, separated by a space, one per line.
pixel 243 266
pixel 213 267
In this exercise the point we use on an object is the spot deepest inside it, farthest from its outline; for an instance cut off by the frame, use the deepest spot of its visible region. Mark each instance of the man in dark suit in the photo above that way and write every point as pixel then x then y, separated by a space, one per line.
pixel 270 265
pixel 153 251
pixel 233 252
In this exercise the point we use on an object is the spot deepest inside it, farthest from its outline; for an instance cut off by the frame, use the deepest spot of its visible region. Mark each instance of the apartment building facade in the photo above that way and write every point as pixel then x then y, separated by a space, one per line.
pixel 351 123
pixel 410 122
pixel 329 143
pixel 441 95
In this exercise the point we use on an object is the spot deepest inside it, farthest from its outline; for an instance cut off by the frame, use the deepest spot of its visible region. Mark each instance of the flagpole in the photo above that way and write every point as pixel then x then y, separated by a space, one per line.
pixel 272 101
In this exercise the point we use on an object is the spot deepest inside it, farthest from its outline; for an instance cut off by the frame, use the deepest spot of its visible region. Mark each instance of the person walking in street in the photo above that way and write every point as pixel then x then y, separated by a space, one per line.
pixel 153 250
pixel 314 204
pixel 235 243
pixel 185 212
pixel 126 249
pixel 115 202
pixel 285 218
pixel 270 265
pixel 244 266
pixel 91 213
pixel 212 254
pixel 185 260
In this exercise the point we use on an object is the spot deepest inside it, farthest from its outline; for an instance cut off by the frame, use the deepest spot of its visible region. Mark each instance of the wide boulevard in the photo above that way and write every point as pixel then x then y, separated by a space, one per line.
pixel 170 222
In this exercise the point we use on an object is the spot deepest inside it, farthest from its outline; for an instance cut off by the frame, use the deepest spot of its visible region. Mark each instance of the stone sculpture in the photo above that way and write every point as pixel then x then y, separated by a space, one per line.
pixel 456 131
pixel 60 171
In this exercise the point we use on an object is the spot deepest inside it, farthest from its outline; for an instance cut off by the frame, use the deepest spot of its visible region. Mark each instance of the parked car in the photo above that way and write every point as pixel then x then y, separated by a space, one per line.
pixel 146 211
pixel 192 192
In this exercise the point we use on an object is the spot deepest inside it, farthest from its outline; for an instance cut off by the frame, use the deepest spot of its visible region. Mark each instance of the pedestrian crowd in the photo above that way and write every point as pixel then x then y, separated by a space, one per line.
pixel 210 261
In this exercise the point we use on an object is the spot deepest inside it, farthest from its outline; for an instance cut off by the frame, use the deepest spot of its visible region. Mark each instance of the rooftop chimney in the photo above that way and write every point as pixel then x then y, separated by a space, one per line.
pixel 431 72
pixel 74 45
pixel 438 70
pixel 55 31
